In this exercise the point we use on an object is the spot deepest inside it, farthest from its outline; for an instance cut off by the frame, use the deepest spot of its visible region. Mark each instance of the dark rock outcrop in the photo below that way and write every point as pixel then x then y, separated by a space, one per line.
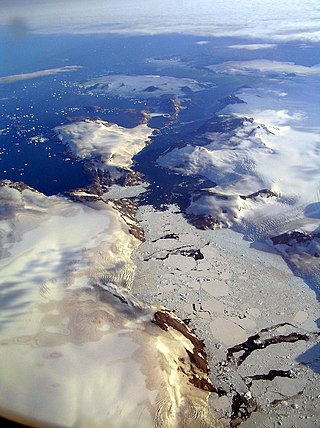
pixel 128 209
pixel 203 222
pixel 199 368
pixel 291 238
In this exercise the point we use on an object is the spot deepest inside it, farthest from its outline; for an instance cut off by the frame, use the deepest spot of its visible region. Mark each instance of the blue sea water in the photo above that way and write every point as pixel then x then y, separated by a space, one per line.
pixel 31 109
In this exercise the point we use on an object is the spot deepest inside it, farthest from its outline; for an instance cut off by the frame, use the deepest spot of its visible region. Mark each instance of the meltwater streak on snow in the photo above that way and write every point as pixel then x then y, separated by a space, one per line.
pixel 77 351
pixel 44 243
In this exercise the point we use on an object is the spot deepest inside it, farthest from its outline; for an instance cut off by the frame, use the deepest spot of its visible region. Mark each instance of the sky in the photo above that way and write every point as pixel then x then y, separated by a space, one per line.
pixel 266 19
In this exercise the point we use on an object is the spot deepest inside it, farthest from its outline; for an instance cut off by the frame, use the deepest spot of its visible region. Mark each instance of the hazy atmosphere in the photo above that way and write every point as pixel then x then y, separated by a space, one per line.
pixel 160 213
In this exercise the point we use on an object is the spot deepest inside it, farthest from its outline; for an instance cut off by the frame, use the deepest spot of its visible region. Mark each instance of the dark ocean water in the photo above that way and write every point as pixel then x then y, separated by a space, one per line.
pixel 29 150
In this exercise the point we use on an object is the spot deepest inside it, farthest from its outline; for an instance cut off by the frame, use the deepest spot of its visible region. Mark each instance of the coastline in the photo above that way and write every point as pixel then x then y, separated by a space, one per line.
pixel 78 305
pixel 228 292
pixel 117 308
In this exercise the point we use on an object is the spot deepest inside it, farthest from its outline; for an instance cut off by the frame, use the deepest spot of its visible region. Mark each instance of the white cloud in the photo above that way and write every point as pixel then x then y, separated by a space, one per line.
pixel 264 66
pixel 286 20
pixel 202 42
pixel 36 74
pixel 254 46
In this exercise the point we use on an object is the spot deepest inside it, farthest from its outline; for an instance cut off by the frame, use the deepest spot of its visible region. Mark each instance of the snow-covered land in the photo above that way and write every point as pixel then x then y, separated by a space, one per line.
pixel 77 349
pixel 108 145
pixel 263 65
pixel 265 166
pixel 144 86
